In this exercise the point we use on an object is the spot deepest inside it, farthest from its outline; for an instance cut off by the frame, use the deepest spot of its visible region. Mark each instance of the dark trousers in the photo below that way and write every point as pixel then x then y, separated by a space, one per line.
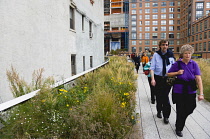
pixel 185 105
pixel 152 89
pixel 162 100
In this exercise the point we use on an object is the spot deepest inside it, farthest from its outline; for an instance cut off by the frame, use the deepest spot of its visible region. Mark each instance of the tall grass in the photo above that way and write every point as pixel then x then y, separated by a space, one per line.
pixel 204 65
pixel 100 105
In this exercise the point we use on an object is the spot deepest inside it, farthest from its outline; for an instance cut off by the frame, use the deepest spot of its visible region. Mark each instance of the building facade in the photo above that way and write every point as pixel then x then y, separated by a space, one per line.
pixel 116 21
pixel 62 37
pixel 174 20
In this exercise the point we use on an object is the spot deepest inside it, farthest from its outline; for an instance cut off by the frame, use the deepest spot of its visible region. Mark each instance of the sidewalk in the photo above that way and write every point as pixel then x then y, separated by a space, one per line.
pixel 197 124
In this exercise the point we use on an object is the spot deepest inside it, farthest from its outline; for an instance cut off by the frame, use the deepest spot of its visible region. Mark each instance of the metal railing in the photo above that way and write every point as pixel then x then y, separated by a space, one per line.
pixel 6 105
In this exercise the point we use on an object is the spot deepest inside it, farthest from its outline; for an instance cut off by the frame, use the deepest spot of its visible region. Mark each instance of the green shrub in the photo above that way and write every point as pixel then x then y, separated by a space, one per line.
pixel 99 105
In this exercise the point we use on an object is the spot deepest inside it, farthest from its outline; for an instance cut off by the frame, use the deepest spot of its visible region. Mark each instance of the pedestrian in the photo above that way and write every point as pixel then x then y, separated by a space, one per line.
pixel 144 59
pixel 152 88
pixel 160 64
pixel 137 62
pixel 184 90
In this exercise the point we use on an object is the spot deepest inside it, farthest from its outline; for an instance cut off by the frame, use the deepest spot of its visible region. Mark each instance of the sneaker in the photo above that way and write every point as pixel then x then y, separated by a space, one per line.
pixel 159 115
pixel 152 101
pixel 179 133
pixel 166 120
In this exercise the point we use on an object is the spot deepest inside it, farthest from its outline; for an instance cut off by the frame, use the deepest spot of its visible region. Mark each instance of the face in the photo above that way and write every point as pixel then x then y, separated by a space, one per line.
pixel 187 55
pixel 164 47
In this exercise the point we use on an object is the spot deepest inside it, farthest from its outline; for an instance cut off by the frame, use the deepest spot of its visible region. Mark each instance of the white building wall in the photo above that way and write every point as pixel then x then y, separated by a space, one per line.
pixel 36 34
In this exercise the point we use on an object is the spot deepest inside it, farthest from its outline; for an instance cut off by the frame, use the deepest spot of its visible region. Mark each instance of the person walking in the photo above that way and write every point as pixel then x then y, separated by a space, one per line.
pixel 184 90
pixel 160 64
pixel 144 60
pixel 152 88
pixel 137 62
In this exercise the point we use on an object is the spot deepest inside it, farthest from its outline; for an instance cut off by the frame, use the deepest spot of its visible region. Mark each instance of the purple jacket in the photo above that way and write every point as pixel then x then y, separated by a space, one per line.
pixel 190 70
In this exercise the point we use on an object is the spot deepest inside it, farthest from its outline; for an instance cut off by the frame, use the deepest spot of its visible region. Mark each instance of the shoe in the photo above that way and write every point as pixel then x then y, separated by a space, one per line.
pixel 166 120
pixel 179 133
pixel 152 101
pixel 159 115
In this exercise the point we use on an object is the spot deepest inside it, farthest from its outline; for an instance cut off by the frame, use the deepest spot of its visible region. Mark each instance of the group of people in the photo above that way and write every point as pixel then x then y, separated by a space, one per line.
pixel 162 65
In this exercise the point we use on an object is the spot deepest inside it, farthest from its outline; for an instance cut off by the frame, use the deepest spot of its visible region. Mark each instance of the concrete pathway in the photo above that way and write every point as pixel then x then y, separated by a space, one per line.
pixel 197 124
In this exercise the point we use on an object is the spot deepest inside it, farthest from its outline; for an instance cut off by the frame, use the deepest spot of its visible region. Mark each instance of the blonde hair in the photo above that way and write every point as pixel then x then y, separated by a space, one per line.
pixel 186 47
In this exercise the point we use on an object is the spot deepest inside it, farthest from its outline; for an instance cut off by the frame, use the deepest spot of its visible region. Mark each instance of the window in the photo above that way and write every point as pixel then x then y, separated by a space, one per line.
pixel 196 28
pixel 163 3
pixel 90 29
pixel 146 48
pixel 133 17
pixel 196 37
pixel 154 22
pixel 163 28
pixel 163 22
pixel 193 38
pixel 147 42
pixel 154 28
pixel 178 21
pixel 140 35
pixel 133 11
pixel 209 46
pixel 72 20
pixel 178 15
pixel 83 63
pixel 133 35
pixel 204 46
pixel 140 49
pixel 133 42
pixel 171 9
pixel 154 49
pixel 140 4
pixel 133 23
pixel 155 10
pixel 207 4
pixel 171 22
pixel 140 22
pixel 147 10
pixel 133 49
pixel 177 42
pixel 171 4
pixel 163 35
pixel 171 28
pixel 178 9
pixel 171 15
pixel 73 64
pixel 163 16
pixel 140 16
pixel 140 42
pixel 133 29
pixel 200 47
pixel 163 10
pixel 200 36
pixel 205 35
pixel 155 16
pixel 140 11
pixel 178 35
pixel 83 23
pixel 178 27
pixel 147 4
pixel 154 42
pixel 147 22
pixel 133 5
pixel 154 35
pixel 147 28
pixel 154 4
pixel 205 24
pixel 171 42
pixel 147 16
pixel 140 28
pixel 171 35
pixel 201 26
pixel 147 36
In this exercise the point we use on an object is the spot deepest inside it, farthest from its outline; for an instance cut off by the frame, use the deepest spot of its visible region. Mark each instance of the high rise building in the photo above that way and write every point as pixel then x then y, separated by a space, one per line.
pixel 178 21
pixel 116 19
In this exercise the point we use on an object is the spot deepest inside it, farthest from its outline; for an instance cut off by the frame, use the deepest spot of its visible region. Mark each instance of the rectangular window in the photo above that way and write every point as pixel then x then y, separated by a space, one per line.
pixel 133 35
pixel 171 9
pixel 155 10
pixel 171 15
pixel 201 26
pixel 155 16
pixel 154 42
pixel 147 16
pixel 200 47
pixel 133 49
pixel 147 22
pixel 90 30
pixel 133 11
pixel 154 22
pixel 171 42
pixel 171 4
pixel 147 10
pixel 163 10
pixel 140 42
pixel 154 4
pixel 163 28
pixel 133 23
pixel 205 35
pixel 171 35
pixel 140 11
pixel 147 36
pixel 209 46
pixel 163 35
pixel 147 28
pixel 163 22
pixel 83 63
pixel 154 49
pixel 207 4
pixel 200 36
pixel 171 22
pixel 133 5
pixel 163 16
pixel 140 4
pixel 147 4
pixel 154 35
pixel 72 20
pixel 178 35
pixel 133 17
pixel 204 46
pixel 171 28
pixel 73 64
pixel 163 3
pixel 140 22
pixel 91 61
pixel 140 35
pixel 154 28
pixel 147 43
pixel 83 23
pixel 140 16
pixel 140 28
pixel 133 42
pixel 133 29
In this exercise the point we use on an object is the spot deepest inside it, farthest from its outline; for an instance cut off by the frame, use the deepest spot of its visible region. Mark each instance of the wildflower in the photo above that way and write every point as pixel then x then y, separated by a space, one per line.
pixel 67 105
pixel 132 117
pixel 43 100
pixel 60 94
pixel 123 104
pixel 65 96
pixel 129 83
pixel 126 94
pixel 120 82
pixel 77 100
pixel 71 109
pixel 63 90
pixel 85 87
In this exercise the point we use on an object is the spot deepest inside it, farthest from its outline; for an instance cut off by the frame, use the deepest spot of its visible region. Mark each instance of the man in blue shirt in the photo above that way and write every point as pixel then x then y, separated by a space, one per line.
pixel 160 64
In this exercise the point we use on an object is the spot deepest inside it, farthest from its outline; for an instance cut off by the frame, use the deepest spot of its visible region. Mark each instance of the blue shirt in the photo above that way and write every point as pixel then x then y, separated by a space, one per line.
pixel 157 64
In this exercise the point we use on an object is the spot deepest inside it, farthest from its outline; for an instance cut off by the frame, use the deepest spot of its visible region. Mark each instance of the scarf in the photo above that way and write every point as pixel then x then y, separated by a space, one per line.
pixel 165 59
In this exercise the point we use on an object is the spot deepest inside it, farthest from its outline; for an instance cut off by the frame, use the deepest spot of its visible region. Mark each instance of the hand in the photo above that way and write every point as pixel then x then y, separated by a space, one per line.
pixel 200 97
pixel 153 83
pixel 180 72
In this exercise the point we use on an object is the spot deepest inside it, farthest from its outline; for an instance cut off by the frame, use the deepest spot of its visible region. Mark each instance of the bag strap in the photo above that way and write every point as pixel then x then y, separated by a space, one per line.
pixel 179 65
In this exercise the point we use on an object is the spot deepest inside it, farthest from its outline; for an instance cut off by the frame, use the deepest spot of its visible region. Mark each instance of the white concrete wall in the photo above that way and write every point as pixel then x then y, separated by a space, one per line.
pixel 36 34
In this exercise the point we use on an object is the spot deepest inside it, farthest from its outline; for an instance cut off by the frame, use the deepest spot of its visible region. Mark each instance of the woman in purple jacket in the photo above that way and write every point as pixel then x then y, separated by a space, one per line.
pixel 184 90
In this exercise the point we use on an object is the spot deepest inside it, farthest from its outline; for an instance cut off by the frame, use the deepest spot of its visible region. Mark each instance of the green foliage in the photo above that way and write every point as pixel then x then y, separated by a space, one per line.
pixel 99 105
pixel 204 65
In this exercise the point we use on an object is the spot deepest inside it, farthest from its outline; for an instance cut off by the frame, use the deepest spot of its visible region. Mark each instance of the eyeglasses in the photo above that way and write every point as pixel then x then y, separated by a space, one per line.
pixel 164 44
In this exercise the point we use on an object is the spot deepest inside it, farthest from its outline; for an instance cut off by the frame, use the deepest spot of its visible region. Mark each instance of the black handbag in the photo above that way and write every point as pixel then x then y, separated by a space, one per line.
pixel 171 80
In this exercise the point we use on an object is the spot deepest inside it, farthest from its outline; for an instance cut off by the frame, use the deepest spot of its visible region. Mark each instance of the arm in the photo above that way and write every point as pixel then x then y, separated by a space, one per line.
pixel 200 87
pixel 153 82
pixel 171 74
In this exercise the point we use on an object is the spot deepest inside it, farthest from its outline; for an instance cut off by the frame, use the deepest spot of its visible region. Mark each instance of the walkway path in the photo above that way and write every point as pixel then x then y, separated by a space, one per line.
pixel 197 124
